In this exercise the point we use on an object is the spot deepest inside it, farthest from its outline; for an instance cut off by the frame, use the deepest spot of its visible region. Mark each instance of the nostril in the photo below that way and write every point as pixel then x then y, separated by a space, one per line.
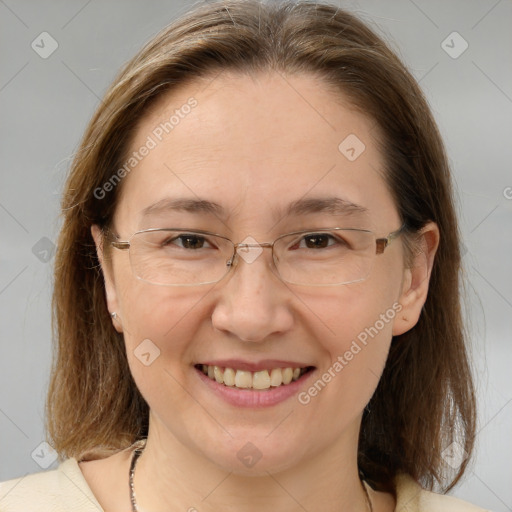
pixel 247 339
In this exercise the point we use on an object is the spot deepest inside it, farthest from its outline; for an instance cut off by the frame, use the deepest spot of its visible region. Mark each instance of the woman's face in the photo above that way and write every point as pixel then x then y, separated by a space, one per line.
pixel 255 145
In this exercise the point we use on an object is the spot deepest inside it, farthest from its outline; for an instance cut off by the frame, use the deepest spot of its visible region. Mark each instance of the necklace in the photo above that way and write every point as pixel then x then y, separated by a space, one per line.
pixel 139 448
pixel 136 454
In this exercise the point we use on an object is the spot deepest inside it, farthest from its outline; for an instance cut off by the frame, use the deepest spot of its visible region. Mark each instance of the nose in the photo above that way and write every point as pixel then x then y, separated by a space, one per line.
pixel 252 302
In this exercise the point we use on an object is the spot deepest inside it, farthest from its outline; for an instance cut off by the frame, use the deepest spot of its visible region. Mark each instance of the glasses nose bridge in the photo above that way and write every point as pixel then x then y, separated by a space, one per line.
pixel 243 245
pixel 262 244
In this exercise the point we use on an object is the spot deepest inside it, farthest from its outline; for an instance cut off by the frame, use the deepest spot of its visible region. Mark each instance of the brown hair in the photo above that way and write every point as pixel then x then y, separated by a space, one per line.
pixel 425 398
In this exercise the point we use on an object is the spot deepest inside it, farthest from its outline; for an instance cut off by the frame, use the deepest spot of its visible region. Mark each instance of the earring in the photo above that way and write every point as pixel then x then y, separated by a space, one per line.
pixel 113 315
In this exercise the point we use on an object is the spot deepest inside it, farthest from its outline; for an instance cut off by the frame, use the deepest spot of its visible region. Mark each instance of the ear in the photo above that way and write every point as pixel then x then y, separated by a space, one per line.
pixel 108 276
pixel 416 279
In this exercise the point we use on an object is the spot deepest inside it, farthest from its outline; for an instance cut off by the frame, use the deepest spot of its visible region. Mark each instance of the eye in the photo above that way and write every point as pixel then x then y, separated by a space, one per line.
pixel 318 241
pixel 188 241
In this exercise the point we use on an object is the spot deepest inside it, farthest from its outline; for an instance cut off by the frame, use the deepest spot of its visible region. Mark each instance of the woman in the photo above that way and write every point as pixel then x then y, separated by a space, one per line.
pixel 256 294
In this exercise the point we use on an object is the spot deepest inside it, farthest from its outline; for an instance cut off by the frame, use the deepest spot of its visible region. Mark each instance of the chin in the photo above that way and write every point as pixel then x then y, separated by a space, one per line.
pixel 255 455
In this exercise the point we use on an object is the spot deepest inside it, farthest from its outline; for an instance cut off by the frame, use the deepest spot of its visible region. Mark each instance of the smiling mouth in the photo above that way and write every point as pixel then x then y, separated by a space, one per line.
pixel 260 380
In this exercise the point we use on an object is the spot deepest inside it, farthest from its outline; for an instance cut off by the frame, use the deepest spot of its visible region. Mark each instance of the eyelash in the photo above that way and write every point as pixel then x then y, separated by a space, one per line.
pixel 303 238
pixel 169 241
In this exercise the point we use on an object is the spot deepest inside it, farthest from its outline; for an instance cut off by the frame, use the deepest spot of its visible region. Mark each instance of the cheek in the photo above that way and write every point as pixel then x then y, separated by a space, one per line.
pixel 361 327
pixel 166 316
pixel 359 311
pixel 160 325
pixel 356 327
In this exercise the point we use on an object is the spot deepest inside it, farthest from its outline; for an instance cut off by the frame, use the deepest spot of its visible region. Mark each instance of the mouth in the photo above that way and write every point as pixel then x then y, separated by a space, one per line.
pixel 261 380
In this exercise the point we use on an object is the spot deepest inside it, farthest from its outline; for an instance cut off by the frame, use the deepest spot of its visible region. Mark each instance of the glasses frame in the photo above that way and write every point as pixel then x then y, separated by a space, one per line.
pixel 380 246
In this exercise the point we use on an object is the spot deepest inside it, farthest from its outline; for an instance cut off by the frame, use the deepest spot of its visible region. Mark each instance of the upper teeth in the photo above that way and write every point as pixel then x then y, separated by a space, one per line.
pixel 263 379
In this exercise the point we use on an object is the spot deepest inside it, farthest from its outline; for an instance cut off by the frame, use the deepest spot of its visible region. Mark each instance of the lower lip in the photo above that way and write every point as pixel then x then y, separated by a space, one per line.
pixel 254 398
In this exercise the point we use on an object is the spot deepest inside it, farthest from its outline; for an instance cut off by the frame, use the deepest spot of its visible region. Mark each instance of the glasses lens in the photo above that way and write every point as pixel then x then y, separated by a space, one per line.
pixel 322 257
pixel 172 257
pixel 325 257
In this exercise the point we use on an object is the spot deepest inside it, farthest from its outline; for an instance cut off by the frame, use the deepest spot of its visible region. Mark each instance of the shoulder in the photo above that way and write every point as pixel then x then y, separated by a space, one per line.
pixel 60 490
pixel 411 497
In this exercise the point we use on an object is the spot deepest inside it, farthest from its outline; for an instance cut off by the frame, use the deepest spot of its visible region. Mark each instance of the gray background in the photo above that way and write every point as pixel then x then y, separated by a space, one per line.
pixel 46 103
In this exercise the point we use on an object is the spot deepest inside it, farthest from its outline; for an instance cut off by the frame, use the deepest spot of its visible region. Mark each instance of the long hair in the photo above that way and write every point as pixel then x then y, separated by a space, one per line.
pixel 425 399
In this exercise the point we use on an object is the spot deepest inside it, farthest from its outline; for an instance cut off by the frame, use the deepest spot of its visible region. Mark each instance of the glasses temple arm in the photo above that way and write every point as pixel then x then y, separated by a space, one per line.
pixel 382 243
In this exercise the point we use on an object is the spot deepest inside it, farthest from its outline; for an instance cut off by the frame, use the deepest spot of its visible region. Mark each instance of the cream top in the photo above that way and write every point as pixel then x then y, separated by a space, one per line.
pixel 65 489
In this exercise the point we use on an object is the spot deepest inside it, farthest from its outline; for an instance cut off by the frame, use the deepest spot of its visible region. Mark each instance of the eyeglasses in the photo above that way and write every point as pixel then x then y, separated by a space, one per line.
pixel 320 257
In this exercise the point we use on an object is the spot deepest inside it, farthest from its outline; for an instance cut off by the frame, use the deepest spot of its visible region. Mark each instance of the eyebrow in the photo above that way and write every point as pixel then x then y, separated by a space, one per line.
pixel 300 207
pixel 332 205
pixel 184 205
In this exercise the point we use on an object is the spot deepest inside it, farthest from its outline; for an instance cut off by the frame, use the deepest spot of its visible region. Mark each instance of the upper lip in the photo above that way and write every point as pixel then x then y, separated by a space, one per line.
pixel 266 364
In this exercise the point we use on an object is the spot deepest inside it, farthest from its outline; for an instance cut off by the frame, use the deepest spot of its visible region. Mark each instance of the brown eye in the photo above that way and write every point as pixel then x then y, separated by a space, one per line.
pixel 318 241
pixel 187 241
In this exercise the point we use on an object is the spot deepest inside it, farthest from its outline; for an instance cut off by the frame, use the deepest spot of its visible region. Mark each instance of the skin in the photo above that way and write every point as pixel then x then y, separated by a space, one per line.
pixel 254 143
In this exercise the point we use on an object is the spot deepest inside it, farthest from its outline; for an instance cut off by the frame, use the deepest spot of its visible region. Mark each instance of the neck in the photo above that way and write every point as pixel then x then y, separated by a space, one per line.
pixel 167 477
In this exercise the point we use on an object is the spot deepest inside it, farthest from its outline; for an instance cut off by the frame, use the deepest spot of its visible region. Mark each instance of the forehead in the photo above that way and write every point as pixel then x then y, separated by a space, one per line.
pixel 252 145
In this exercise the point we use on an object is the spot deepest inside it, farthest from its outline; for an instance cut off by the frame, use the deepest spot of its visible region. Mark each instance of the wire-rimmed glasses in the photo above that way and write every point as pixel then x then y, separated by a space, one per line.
pixel 313 257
